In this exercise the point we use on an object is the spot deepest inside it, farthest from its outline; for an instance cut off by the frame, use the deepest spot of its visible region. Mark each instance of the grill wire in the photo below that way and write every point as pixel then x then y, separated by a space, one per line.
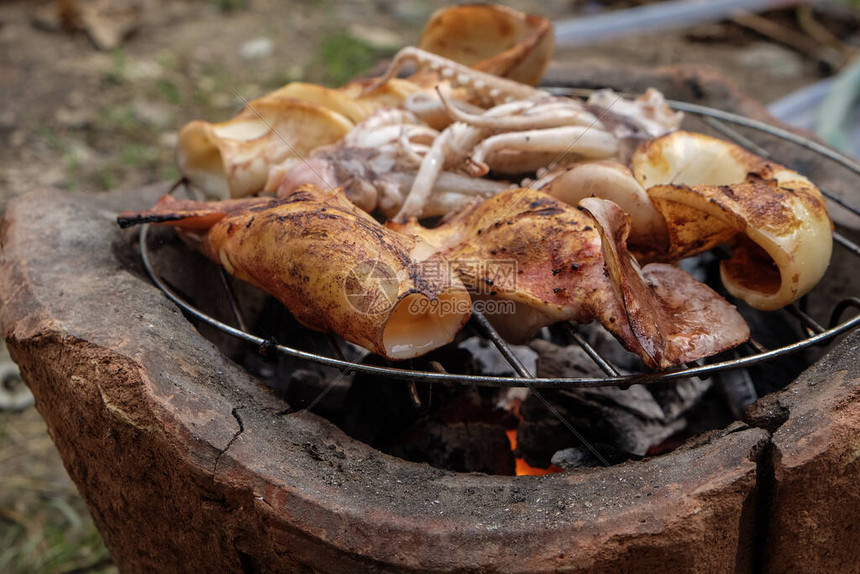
pixel 716 119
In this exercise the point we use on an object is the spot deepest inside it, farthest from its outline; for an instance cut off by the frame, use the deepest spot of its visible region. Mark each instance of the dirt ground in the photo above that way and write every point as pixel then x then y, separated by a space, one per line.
pixel 83 119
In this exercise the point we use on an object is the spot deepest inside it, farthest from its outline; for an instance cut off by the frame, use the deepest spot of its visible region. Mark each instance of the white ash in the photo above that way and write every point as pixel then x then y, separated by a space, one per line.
pixel 488 360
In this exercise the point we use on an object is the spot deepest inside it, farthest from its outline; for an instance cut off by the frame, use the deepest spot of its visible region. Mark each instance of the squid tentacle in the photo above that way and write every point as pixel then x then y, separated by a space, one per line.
pixel 487 87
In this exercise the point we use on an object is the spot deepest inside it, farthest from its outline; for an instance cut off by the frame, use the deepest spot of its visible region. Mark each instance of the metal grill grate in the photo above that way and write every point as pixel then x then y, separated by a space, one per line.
pixel 717 119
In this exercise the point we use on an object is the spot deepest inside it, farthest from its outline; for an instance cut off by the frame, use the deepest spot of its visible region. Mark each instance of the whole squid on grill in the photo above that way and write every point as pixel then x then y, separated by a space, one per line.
pixel 491 38
pixel 394 162
pixel 524 128
pixel 688 193
pixel 421 147
pixel 377 164
pixel 232 158
pixel 706 188
pixel 557 262
pixel 333 266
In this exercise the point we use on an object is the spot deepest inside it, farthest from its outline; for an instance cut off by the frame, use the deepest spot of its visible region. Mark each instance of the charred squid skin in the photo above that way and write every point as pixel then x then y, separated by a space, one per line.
pixel 710 191
pixel 332 265
pixel 609 179
pixel 573 265
pixel 674 319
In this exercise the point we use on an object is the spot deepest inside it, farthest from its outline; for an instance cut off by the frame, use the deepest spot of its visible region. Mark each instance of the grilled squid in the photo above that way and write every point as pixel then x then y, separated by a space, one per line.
pixel 377 164
pixel 232 158
pixel 557 262
pixel 334 267
pixel 610 180
pixel 492 39
pixel 709 191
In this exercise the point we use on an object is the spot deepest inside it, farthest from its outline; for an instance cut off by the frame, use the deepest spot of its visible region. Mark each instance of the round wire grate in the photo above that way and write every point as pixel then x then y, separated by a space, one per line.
pixel 714 118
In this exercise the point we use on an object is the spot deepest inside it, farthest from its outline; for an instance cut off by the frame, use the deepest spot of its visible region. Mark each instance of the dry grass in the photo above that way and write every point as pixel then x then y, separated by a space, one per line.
pixel 44 524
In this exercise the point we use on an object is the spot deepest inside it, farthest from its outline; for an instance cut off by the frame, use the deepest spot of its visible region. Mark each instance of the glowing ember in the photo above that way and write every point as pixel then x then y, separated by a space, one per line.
pixel 525 469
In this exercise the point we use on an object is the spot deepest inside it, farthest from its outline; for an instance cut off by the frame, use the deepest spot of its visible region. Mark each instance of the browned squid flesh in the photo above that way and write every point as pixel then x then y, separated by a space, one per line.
pixel 333 266
pixel 558 262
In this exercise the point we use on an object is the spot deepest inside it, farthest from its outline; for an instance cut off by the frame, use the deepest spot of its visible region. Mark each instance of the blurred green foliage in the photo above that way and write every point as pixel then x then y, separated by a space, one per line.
pixel 230 5
pixel 344 56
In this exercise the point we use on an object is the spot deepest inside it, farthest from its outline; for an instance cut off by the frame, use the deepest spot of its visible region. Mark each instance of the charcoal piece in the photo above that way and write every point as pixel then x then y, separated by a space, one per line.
pixel 610 349
pixel 547 422
pixel 476 404
pixel 738 389
pixel 631 420
pixel 454 428
pixel 773 330
pixel 465 431
pixel 598 455
pixel 488 360
pixel 709 413
pixel 676 398
pixel 377 410
pixel 303 384
pixel 571 361
pixel 556 361
pixel 317 390
pixel 461 447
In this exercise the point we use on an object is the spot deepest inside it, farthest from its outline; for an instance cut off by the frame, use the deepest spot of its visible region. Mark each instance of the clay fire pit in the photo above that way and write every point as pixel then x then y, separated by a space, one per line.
pixel 190 464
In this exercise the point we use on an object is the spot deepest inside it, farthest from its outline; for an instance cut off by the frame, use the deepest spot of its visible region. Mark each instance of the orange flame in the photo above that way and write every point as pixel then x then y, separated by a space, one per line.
pixel 525 469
